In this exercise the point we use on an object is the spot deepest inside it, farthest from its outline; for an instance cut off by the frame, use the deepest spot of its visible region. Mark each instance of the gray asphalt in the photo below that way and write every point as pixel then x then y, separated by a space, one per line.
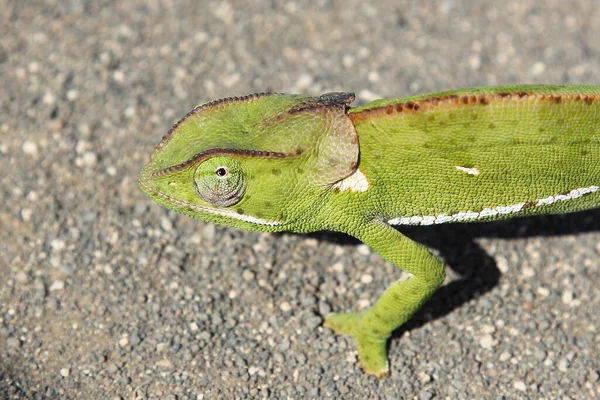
pixel 104 295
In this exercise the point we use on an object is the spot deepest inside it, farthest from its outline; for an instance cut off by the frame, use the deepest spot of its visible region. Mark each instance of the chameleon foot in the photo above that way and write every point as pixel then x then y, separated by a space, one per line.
pixel 371 348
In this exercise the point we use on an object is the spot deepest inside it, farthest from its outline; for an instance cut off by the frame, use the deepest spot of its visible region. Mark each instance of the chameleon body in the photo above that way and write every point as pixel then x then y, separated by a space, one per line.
pixel 275 162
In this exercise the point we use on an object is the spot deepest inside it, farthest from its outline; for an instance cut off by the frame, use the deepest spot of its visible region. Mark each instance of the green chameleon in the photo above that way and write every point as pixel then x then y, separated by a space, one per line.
pixel 277 162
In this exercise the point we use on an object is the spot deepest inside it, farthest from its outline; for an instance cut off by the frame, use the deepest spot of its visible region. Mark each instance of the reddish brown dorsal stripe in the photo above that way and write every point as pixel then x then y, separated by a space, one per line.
pixel 205 106
pixel 414 106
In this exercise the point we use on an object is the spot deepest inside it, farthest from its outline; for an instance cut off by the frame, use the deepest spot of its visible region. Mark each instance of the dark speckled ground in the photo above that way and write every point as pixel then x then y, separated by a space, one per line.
pixel 104 295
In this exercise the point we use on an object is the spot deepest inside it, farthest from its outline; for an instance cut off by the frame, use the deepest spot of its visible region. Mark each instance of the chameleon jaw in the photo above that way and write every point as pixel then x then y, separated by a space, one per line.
pixel 215 211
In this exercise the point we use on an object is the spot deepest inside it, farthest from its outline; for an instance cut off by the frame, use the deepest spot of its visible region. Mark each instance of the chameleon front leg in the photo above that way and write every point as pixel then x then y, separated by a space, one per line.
pixel 372 328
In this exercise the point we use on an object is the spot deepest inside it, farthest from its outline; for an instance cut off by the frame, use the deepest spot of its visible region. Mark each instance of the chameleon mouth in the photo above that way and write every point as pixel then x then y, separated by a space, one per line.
pixel 165 198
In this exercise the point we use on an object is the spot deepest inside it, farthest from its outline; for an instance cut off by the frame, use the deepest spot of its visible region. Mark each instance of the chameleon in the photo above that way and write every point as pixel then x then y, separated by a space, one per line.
pixel 272 162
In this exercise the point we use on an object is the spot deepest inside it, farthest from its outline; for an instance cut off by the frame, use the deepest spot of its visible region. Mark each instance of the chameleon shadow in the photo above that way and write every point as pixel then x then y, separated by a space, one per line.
pixel 477 270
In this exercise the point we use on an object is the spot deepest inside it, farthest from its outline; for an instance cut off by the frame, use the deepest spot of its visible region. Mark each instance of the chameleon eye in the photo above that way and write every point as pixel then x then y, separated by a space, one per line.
pixel 220 181
pixel 222 172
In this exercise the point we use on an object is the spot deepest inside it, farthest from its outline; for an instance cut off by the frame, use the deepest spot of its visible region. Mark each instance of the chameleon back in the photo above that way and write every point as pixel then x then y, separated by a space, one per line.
pixel 481 154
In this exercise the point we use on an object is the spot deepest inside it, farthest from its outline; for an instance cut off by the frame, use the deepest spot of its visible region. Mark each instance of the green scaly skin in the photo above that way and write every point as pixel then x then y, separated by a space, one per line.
pixel 275 162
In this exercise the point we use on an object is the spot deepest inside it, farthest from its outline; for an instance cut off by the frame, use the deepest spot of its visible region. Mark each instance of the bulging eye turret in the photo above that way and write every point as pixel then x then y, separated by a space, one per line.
pixel 220 181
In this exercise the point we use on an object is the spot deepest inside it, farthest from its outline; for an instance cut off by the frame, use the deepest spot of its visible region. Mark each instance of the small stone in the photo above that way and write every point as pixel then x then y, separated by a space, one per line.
pixel 502 264
pixel 364 303
pixel 13 342
pixel 248 275
pixel 30 148
pixel 57 244
pixel 26 214
pixel 373 76
pixel 567 297
pixel 57 285
pixel 89 159
pixel 135 339
pixel 82 146
pixel 324 308
pixel 64 372
pixel 285 307
pixel 129 111
pixel 225 12
pixel 520 385
pixel 487 329
pixel 528 272
pixel 284 346
pixel 367 95
pixel 111 171
pixel 505 356
pixel 72 94
pixel 487 342
pixel 20 73
pixel 338 267
pixel 33 196
pixel 204 335
pixel 162 347
pixel 33 67
pixel 542 291
pixel 49 98
pixel 348 61
pixel 475 62
pixel 366 279
pixel 311 242
pixel 119 76
pixel 112 368
pixel 363 250
pixel 166 224
pixel 57 125
pixel 231 80
pixel 208 232
pixel 194 327
pixel 424 378
pixel 563 365
pixel 538 68
pixel 303 82
pixel 164 364
pixel 425 395
pixel 313 322
pixel 124 341
pixel 21 277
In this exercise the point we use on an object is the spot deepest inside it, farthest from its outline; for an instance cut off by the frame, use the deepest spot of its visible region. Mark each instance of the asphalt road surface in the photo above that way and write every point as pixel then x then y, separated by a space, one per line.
pixel 105 295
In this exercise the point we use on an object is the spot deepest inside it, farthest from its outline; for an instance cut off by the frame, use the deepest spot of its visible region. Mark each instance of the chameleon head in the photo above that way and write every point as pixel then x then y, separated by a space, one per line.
pixel 259 162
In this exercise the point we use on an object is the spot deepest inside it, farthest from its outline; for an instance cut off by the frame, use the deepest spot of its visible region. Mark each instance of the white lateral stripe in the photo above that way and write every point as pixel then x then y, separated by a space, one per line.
pixel 469 171
pixel 490 212
pixel 233 214
pixel 357 182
